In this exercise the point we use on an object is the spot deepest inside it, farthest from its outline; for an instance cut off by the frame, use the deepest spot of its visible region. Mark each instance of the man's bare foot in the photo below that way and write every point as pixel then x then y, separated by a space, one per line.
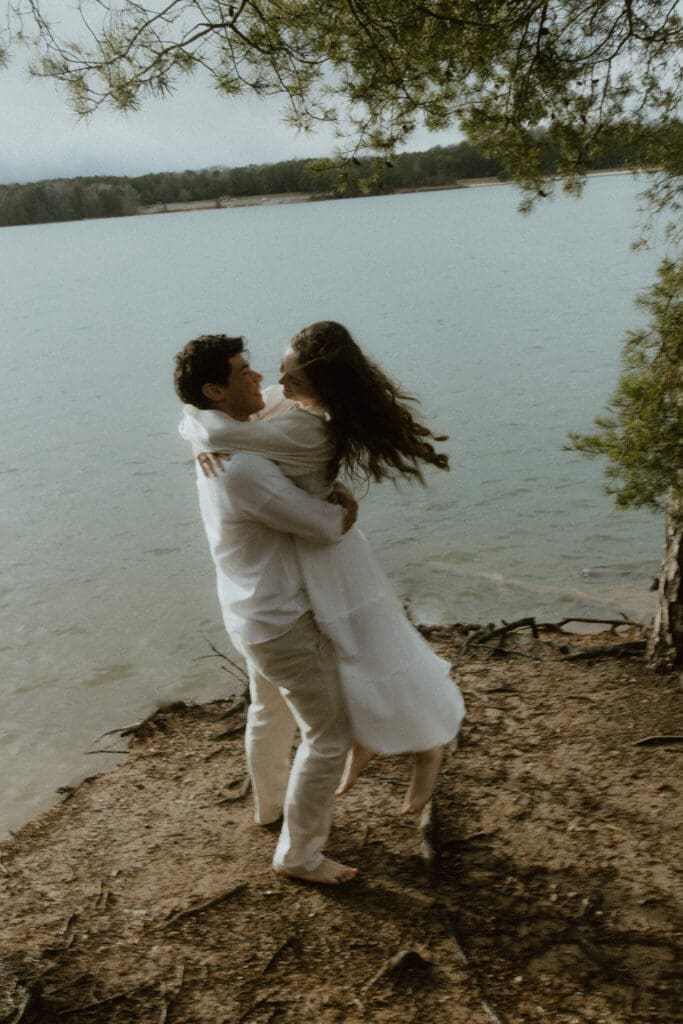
pixel 426 765
pixel 357 760
pixel 328 872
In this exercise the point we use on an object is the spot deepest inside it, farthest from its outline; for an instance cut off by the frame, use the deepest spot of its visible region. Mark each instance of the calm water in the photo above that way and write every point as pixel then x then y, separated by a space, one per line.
pixel 508 328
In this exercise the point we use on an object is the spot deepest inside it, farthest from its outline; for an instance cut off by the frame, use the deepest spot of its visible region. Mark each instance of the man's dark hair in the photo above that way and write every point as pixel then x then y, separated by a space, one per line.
pixel 204 360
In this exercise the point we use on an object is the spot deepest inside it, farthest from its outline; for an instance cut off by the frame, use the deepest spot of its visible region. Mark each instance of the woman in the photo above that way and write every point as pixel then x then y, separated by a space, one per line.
pixel 350 417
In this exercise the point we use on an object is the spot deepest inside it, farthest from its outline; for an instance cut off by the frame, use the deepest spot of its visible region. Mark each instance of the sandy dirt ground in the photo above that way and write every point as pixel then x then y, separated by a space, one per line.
pixel 556 893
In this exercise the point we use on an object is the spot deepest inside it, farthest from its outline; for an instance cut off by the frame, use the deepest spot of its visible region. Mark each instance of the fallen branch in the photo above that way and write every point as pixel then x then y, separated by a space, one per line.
pixel 491 632
pixel 196 907
pixel 629 649
pixel 657 741
pixel 553 627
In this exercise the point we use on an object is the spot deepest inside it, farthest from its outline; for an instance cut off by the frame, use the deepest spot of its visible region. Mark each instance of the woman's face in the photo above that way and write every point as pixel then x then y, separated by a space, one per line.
pixel 294 381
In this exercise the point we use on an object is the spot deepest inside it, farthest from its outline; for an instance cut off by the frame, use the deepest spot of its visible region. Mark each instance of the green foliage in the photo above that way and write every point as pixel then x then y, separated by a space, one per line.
pixel 642 433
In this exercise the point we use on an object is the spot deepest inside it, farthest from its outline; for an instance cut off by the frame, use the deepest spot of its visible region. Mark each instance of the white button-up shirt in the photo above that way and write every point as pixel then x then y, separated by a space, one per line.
pixel 250 512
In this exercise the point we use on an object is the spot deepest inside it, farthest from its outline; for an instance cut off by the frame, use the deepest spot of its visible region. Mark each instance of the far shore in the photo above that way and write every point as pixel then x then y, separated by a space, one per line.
pixel 287 198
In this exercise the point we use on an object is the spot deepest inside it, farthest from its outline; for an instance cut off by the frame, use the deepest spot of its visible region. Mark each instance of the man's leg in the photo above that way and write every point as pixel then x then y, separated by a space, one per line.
pixel 303 665
pixel 269 737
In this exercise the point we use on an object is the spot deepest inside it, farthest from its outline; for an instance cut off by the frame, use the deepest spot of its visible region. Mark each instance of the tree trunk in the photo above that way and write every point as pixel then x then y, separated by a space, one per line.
pixel 665 646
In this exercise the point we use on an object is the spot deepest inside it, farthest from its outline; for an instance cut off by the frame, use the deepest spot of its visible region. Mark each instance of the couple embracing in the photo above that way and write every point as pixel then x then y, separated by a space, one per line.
pixel 328 648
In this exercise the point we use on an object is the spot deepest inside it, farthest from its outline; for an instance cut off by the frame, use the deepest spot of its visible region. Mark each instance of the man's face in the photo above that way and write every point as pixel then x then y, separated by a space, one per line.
pixel 241 396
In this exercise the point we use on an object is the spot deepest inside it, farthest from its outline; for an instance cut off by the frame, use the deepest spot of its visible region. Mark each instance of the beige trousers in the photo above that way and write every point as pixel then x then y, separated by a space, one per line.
pixel 293 681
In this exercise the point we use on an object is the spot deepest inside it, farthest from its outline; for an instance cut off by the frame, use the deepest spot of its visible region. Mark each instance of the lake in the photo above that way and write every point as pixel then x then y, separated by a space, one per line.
pixel 508 328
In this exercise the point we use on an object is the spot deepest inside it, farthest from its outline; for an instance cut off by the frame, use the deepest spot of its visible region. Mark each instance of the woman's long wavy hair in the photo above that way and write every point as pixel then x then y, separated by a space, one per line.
pixel 374 432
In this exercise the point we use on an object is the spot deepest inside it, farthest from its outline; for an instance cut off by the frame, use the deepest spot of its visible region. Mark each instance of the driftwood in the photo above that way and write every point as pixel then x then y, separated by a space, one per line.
pixel 657 741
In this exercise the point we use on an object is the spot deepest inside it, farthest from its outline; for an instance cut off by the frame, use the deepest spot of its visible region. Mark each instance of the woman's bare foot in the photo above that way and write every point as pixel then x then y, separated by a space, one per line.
pixel 357 760
pixel 328 872
pixel 426 765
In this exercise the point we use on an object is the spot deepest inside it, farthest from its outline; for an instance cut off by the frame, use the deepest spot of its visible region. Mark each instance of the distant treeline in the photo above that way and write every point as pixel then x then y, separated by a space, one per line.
pixel 79 198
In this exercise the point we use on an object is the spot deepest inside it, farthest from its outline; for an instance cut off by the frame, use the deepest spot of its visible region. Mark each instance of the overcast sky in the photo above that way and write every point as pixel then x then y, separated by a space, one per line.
pixel 192 129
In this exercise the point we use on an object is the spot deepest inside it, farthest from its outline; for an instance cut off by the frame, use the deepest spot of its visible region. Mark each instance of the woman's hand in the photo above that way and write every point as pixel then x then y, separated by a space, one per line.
pixel 341 495
pixel 212 462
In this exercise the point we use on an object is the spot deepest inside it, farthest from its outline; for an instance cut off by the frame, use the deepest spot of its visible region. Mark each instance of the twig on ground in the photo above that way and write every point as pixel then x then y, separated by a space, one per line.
pixel 657 741
pixel 178 915
pixel 290 943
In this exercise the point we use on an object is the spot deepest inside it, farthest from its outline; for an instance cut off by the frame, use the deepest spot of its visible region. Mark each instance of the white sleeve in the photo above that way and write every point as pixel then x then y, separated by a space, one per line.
pixel 260 491
pixel 297 438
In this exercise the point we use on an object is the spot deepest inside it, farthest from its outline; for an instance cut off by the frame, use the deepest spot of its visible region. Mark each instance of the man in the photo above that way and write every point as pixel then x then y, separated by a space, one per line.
pixel 250 513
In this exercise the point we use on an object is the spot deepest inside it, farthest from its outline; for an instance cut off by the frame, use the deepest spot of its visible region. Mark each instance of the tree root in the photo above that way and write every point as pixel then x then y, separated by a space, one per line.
pixel 629 649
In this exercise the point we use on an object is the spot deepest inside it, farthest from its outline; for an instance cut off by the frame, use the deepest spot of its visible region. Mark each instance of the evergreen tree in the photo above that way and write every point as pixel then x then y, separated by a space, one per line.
pixel 642 438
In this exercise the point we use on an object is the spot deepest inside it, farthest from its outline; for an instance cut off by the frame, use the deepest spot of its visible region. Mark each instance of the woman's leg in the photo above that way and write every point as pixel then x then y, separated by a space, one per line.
pixel 357 760
pixel 426 766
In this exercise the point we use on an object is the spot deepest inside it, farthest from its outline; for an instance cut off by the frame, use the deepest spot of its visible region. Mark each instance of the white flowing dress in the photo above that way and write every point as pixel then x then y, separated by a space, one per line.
pixel 399 694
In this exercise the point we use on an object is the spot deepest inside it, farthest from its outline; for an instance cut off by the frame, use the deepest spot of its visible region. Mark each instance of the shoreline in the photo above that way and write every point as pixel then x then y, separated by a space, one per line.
pixel 289 198
pixel 147 893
